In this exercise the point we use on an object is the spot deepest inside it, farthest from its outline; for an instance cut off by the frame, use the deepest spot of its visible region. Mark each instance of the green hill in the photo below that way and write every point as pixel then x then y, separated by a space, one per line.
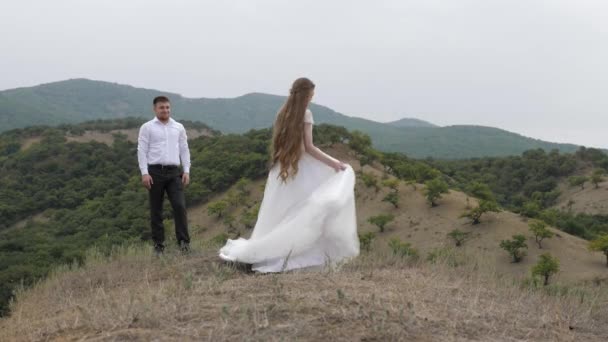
pixel 411 122
pixel 79 100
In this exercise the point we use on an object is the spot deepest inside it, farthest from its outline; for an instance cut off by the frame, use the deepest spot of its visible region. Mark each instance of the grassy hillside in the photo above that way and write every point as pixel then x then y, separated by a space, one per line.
pixel 422 225
pixel 80 100
pixel 65 192
pixel 130 296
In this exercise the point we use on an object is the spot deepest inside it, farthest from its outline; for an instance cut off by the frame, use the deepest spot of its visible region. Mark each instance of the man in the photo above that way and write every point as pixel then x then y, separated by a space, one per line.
pixel 162 144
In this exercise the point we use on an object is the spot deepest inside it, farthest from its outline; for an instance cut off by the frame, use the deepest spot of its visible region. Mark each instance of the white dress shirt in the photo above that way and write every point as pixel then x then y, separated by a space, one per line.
pixel 164 144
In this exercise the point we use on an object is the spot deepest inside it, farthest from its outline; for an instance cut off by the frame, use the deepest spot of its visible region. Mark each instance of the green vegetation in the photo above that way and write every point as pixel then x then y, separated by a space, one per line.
pixel 392 198
pixel 369 180
pixel 57 199
pixel 434 189
pixel 217 208
pixel 483 207
pixel 366 241
pixel 391 183
pixel 403 249
pixel 578 181
pixel 546 266
pixel 80 100
pixel 514 247
pixel 458 236
pixel 597 177
pixel 540 232
pixel 250 216
pixel 527 184
pixel 600 245
pixel 381 221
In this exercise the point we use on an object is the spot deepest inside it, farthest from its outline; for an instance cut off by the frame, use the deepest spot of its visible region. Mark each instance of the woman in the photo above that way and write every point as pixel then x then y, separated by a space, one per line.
pixel 307 217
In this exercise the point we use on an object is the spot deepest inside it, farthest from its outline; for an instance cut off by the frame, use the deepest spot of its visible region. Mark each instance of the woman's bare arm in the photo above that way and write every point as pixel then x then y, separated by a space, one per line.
pixel 316 152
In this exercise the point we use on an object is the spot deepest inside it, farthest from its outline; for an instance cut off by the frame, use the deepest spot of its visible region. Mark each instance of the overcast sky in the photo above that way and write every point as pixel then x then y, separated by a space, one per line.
pixel 539 68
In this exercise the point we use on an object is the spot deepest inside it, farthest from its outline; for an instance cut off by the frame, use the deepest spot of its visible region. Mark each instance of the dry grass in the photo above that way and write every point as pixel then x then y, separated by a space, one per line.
pixel 377 297
pixel 590 200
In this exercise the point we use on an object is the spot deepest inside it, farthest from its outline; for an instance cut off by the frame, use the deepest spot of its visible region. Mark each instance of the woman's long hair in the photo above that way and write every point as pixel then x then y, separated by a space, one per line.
pixel 288 131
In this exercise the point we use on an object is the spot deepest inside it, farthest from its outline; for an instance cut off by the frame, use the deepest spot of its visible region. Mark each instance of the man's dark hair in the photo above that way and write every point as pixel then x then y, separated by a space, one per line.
pixel 160 99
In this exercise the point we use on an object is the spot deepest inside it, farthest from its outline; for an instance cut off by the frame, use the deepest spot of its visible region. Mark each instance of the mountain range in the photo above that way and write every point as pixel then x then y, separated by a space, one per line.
pixel 79 100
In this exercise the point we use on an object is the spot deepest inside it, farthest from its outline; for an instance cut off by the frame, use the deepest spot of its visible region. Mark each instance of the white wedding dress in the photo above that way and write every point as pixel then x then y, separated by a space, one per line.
pixel 307 221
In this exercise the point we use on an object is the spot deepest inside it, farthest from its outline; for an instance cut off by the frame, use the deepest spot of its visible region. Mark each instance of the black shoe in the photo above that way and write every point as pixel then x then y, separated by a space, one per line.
pixel 184 247
pixel 159 249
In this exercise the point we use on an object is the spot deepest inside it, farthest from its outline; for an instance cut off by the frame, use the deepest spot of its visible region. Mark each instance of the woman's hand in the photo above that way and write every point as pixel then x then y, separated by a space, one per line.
pixel 339 166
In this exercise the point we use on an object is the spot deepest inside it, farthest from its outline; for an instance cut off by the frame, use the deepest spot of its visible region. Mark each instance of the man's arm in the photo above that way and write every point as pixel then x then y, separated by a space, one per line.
pixel 143 142
pixel 184 151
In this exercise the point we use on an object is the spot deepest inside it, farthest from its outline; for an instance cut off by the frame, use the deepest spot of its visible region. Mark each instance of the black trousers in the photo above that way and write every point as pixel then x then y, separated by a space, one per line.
pixel 167 180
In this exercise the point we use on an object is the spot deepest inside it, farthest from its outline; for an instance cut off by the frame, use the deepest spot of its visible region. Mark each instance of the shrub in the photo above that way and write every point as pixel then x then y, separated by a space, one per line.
pixel 513 247
pixel 402 249
pixel 597 177
pixel 434 189
pixel 393 184
pixel 381 220
pixel 250 216
pixel 392 198
pixel 578 181
pixel 217 208
pixel 370 180
pixel 242 186
pixel 600 245
pixel 483 207
pixel 540 231
pixel 546 267
pixel 366 240
pixel 459 236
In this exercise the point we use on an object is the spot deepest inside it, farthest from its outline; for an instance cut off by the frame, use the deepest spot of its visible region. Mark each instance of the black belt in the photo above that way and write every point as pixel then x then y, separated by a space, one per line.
pixel 163 167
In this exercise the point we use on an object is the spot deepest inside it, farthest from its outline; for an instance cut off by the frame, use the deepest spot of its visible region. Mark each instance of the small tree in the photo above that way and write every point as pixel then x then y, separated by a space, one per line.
pixel 393 184
pixel 434 189
pixel 217 208
pixel 459 236
pixel 578 181
pixel 392 198
pixel 381 221
pixel 600 245
pixel 597 177
pixel 366 240
pixel 513 247
pixel 546 267
pixel 540 231
pixel 483 207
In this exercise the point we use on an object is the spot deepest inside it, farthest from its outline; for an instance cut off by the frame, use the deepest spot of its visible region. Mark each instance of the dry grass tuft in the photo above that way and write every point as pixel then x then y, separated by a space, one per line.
pixel 378 297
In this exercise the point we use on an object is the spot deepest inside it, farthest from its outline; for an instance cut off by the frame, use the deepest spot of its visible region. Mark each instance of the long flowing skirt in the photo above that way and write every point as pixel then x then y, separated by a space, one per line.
pixel 307 221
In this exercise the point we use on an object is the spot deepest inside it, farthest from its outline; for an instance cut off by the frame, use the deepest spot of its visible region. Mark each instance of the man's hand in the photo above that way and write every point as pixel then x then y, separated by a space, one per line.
pixel 185 179
pixel 147 181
